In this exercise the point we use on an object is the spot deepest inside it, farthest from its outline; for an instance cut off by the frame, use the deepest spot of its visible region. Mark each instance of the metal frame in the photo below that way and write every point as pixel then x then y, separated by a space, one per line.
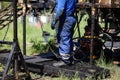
pixel 92 30
pixel 15 55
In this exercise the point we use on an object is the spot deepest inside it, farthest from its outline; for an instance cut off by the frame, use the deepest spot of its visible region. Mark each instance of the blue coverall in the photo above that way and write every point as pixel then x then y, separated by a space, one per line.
pixel 64 13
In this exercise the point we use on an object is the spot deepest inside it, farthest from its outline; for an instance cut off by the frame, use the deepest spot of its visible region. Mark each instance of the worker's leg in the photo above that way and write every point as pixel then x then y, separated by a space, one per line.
pixel 64 36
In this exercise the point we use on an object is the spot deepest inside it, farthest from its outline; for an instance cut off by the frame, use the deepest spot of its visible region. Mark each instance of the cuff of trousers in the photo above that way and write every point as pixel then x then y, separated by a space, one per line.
pixel 65 56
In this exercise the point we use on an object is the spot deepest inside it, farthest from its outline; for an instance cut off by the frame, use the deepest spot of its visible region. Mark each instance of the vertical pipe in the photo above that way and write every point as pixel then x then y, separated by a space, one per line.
pixel 92 31
pixel 15 38
pixel 15 19
pixel 24 30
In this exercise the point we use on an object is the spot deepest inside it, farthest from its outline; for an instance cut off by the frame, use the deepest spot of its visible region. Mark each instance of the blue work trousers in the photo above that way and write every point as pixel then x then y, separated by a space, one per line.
pixel 64 35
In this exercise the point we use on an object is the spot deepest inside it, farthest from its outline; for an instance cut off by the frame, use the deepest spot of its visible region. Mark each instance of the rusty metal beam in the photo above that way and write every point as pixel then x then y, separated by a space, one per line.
pixel 5 0
pixel 20 1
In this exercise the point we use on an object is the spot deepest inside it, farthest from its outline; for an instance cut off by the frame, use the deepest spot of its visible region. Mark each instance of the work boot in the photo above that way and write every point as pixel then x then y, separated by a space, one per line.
pixel 59 64
pixel 63 62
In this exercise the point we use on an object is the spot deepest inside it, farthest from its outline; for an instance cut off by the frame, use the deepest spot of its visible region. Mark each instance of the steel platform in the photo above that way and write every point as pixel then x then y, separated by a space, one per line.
pixel 42 64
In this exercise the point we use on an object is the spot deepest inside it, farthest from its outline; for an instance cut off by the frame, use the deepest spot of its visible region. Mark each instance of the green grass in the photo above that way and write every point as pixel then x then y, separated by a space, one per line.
pixel 33 34
pixel 4 4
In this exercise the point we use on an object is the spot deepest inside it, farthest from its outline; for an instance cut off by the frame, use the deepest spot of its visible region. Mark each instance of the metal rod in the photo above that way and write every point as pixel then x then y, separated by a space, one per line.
pixel 6 42
pixel 24 30
pixel 15 37
pixel 6 0
pixel 15 66
pixel 24 35
pixel 15 19
pixel 92 32
pixel 9 61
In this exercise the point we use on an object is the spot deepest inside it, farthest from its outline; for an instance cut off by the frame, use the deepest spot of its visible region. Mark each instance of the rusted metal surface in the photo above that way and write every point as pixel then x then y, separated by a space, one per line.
pixel 6 16
pixel 6 0
pixel 5 11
